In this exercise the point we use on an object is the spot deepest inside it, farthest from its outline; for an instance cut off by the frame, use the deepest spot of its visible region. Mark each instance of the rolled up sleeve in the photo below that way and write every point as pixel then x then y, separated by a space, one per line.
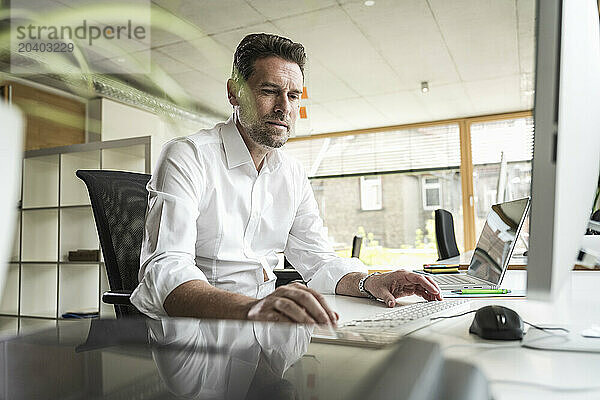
pixel 309 251
pixel 167 257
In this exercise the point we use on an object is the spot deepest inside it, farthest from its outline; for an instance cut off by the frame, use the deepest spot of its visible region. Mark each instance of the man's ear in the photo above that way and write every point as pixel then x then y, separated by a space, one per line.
pixel 232 92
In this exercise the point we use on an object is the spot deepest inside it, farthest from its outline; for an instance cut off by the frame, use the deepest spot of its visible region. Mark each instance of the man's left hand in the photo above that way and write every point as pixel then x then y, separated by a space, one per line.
pixel 391 285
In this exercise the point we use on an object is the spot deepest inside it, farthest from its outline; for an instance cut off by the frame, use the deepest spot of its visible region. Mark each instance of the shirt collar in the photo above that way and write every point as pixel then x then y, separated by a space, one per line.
pixel 236 151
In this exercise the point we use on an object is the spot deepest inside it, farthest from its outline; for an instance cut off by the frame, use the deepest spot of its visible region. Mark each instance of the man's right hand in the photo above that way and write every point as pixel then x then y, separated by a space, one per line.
pixel 293 303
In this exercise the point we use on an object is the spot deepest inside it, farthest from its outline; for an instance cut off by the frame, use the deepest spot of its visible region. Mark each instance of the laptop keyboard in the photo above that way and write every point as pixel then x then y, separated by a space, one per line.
pixel 455 279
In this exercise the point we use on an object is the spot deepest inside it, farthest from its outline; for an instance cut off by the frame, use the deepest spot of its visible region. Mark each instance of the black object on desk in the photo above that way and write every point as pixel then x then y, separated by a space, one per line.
pixel 444 235
pixel 497 323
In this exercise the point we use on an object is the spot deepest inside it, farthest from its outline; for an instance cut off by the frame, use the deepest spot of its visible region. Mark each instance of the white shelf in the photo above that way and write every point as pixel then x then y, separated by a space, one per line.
pixel 16 240
pixel 130 158
pixel 77 231
pixel 78 288
pixel 9 326
pixel 31 325
pixel 106 310
pixel 56 217
pixel 10 297
pixel 38 290
pixel 72 189
pixel 40 181
pixel 40 235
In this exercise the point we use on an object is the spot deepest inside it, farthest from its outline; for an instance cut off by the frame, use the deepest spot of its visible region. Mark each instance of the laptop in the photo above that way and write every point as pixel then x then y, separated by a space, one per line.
pixel 494 249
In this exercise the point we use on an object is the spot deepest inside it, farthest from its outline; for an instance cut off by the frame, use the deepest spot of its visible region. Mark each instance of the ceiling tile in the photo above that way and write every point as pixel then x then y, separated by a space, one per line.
pixel 322 120
pixel 324 86
pixel 493 96
pixel 205 90
pixel 213 16
pixel 167 63
pixel 231 39
pixel 400 108
pixel 346 52
pixel 273 9
pixel 445 101
pixel 204 54
pixel 356 113
pixel 406 34
pixel 162 35
pixel 526 35
pixel 481 36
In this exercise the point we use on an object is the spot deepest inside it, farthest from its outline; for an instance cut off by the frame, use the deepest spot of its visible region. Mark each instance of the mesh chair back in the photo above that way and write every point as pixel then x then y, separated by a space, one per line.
pixel 119 200
pixel 444 234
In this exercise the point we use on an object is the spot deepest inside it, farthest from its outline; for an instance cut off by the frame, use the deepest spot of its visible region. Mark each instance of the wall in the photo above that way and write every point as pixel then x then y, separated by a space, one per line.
pixel 120 121
pixel 51 119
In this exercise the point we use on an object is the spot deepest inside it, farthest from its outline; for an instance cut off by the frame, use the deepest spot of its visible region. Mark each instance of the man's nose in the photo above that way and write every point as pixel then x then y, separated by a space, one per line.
pixel 282 105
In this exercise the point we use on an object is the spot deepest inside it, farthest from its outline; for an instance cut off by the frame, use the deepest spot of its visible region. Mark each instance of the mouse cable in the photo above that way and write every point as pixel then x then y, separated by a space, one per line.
pixel 454 316
pixel 525 322
pixel 546 329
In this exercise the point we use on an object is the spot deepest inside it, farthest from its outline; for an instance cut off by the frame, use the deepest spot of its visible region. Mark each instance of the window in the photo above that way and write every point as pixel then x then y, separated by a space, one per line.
pixel 432 196
pixel 370 193
pixel 353 176
pixel 489 140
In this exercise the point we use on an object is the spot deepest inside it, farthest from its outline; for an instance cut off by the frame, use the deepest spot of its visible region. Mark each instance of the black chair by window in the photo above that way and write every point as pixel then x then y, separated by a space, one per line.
pixel 356 245
pixel 444 235
pixel 119 201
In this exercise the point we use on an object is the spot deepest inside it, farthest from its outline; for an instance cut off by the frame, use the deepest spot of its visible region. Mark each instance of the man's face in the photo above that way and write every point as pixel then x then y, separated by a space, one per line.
pixel 269 102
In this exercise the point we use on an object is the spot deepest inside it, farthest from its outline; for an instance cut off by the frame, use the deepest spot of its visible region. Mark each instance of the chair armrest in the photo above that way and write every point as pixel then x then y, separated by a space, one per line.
pixel 119 297
pixel 285 276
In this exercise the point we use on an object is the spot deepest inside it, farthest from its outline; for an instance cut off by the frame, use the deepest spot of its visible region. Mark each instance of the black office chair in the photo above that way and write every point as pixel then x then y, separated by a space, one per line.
pixel 444 235
pixel 119 201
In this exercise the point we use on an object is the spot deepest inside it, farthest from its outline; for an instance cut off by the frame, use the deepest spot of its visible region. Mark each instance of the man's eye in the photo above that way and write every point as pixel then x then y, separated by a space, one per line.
pixel 266 91
pixel 294 97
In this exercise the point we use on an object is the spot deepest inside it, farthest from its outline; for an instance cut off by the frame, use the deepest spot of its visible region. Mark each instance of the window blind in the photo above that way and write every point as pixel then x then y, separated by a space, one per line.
pixel 513 137
pixel 400 150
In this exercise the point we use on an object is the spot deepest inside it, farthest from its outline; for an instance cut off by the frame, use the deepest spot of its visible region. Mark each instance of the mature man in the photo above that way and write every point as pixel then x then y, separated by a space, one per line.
pixel 224 201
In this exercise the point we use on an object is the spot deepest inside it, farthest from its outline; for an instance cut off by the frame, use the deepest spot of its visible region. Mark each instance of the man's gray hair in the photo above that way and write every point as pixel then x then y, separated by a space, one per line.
pixel 261 45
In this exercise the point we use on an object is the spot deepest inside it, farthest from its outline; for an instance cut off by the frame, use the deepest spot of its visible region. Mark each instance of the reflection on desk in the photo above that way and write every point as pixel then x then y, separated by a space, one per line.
pixel 219 359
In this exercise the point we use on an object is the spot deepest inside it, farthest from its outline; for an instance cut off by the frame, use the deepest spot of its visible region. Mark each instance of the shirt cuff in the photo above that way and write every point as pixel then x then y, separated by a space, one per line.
pixel 161 276
pixel 327 277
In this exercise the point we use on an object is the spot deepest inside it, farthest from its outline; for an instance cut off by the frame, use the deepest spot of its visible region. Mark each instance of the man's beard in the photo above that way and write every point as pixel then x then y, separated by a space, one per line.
pixel 264 134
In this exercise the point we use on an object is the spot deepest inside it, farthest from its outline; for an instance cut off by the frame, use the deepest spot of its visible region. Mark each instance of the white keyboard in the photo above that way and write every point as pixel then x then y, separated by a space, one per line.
pixel 455 279
pixel 389 326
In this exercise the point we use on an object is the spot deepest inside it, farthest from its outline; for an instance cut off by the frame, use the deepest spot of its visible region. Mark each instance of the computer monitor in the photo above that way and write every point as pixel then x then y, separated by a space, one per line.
pixel 11 159
pixel 566 154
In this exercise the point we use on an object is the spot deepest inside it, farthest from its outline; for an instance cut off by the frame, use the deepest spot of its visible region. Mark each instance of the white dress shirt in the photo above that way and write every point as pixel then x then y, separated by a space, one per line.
pixel 213 217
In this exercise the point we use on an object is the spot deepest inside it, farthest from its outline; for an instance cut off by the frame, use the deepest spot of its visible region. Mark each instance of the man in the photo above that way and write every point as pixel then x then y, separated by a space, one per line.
pixel 224 201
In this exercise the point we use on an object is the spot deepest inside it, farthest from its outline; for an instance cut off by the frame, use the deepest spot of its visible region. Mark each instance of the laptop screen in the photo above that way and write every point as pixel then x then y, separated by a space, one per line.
pixel 497 240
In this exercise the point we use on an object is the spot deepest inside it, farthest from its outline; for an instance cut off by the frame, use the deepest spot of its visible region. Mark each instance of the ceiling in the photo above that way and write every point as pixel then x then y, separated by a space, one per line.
pixel 366 63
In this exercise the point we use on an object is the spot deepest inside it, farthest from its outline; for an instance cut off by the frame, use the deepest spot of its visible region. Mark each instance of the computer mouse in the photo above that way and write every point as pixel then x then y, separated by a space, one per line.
pixel 497 323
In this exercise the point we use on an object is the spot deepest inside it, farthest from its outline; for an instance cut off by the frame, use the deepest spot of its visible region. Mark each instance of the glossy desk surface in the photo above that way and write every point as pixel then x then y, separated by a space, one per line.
pixel 219 359
pixel 149 359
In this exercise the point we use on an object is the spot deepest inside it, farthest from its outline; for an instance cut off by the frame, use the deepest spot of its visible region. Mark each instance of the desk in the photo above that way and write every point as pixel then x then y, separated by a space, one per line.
pixel 228 359
pixel 577 307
